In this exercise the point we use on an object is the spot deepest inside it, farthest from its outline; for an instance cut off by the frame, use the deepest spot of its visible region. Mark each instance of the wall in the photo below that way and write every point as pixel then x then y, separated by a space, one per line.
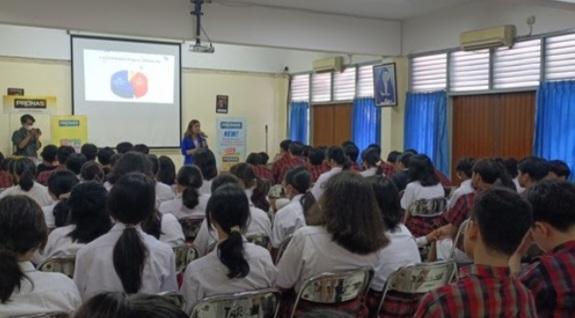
pixel 392 117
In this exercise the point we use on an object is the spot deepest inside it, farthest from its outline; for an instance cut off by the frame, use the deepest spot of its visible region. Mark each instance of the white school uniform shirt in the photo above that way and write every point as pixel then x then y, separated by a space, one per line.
pixel 171 231
pixel 207 276
pixel 464 188
pixel 401 251
pixel 94 271
pixel 319 186
pixel 415 191
pixel 41 293
pixel 49 215
pixel 519 188
pixel 38 193
pixel 60 244
pixel 206 187
pixel 369 172
pixel 311 252
pixel 287 220
pixel 163 193
pixel 180 211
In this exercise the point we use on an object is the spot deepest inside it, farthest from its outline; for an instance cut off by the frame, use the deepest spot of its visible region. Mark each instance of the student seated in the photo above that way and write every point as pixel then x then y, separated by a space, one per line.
pixel 370 158
pixel 499 221
pixel 23 171
pixel 49 161
pixel 24 290
pixel 121 305
pixel 166 171
pixel 316 163
pixel 510 165
pixel 60 185
pixel 389 165
pixel 164 192
pixel 255 188
pixel 401 176
pixel 5 177
pixel 188 203
pixel 352 152
pixel 464 172
pixel 291 217
pixel 551 279
pixel 124 147
pixel 62 155
pixel 89 219
pixel 234 265
pixel 260 168
pixel 90 151
pixel 126 259
pixel 558 170
pixel 206 160
pixel 346 232
pixel 338 162
pixel 105 159
pixel 287 159
pixel 92 171
pixel 75 163
pixel 532 170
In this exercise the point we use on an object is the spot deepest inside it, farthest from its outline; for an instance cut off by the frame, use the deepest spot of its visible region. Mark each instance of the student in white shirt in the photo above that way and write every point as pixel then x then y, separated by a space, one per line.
pixel 23 171
pixel 371 159
pixel 121 305
pixel 92 171
pixel 424 182
pixel 235 265
pixel 464 171
pixel 24 290
pixel 345 233
pixel 187 204
pixel 89 219
pixel 338 161
pixel 291 217
pixel 164 192
pixel 256 189
pixel 60 184
pixel 127 259
pixel 205 160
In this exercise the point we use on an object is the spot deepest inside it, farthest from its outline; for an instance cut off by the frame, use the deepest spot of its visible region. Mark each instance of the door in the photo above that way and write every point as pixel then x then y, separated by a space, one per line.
pixel 331 124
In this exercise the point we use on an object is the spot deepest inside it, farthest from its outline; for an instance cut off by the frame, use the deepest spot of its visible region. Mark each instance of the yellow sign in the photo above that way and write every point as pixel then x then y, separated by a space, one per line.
pixel 15 103
pixel 69 131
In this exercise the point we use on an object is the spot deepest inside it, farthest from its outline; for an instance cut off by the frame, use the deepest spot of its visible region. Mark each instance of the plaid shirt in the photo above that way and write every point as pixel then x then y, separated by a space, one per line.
pixel 5 180
pixel 263 172
pixel 388 169
pixel 552 282
pixel 460 210
pixel 445 182
pixel 356 167
pixel 316 171
pixel 421 226
pixel 283 165
pixel 395 305
pixel 45 175
pixel 482 291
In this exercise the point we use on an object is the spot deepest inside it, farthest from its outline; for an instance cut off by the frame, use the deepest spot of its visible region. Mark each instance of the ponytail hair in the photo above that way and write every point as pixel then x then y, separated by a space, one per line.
pixel 299 178
pixel 22 229
pixel 25 169
pixel 131 201
pixel 246 174
pixel 190 178
pixel 229 208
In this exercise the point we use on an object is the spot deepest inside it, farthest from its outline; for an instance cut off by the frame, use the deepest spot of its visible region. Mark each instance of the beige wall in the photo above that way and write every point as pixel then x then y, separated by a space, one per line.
pixel 392 117
pixel 260 98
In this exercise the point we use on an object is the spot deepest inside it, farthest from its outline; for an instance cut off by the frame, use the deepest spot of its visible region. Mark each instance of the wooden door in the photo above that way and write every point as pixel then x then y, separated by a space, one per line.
pixel 342 123
pixel 331 124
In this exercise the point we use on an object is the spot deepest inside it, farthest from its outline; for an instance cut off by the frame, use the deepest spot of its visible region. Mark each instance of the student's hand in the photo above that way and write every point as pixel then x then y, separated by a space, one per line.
pixel 432 237
pixel 515 260
pixel 444 232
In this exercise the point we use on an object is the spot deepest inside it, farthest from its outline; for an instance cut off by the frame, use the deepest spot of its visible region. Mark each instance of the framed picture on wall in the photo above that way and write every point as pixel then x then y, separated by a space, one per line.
pixel 385 85
pixel 222 104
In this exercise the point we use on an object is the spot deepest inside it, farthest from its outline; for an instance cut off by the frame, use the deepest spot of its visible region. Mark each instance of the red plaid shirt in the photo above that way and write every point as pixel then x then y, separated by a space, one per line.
pixel 283 165
pixel 552 282
pixel 421 226
pixel 263 172
pixel 5 180
pixel 388 169
pixel 482 291
pixel 445 181
pixel 356 167
pixel 316 171
pixel 395 305
pixel 460 210
pixel 45 175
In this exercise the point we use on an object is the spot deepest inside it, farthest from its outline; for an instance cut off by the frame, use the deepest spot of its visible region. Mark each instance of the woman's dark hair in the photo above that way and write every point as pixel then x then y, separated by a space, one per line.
pixel 120 305
pixel 60 183
pixel 388 199
pixel 421 169
pixel 190 177
pixel 49 153
pixel 465 166
pixel 205 160
pixel 25 169
pixel 75 162
pixel 351 151
pixel 63 153
pixel 105 156
pixel 22 229
pixel 190 128
pixel 167 171
pixel 88 212
pixel 349 211
pixel 338 156
pixel 492 172
pixel 124 147
pixel 131 201
pixel 510 165
pixel 246 173
pixel 141 148
pixel 371 157
pixel 299 178
pixel 254 159
pixel 155 164
pixel 229 208
pixel 92 171
pixel 223 179
pixel 131 162
pixel 90 151
pixel 265 158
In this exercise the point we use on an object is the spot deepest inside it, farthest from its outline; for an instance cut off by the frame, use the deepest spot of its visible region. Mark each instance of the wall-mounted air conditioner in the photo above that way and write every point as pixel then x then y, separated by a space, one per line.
pixel 328 64
pixel 500 36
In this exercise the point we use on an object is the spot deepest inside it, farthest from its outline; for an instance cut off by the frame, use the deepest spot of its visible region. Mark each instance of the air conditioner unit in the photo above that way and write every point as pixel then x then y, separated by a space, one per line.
pixel 488 38
pixel 328 64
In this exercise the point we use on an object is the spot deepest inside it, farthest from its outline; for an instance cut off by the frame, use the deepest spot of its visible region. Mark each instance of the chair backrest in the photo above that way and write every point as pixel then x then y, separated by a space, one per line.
pixel 334 288
pixel 184 255
pixel 282 249
pixel 190 227
pixel 64 265
pixel 174 298
pixel 253 304
pixel 276 191
pixel 419 278
pixel 44 315
pixel 459 236
pixel 427 208
pixel 259 239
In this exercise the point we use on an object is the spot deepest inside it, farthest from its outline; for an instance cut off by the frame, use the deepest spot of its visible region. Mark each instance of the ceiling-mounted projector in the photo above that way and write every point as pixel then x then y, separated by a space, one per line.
pixel 199 48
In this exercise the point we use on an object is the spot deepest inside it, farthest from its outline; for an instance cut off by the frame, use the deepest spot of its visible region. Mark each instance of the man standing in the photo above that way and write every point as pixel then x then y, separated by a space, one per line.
pixel 26 140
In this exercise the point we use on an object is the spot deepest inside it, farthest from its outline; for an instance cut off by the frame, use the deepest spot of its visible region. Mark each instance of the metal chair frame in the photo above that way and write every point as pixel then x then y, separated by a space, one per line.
pixel 58 261
pixel 238 296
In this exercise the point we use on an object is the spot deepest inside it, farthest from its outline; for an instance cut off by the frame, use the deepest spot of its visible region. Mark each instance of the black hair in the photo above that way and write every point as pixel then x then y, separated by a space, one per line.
pixel 63 153
pixel 306 150
pixel 284 145
pixel 316 156
pixel 405 158
pixel 229 208
pixel 92 171
pixel 205 160
pixel 2 162
pixel 503 218
pixel 246 174
pixel 131 162
pixel 347 143
pixel 131 201
pixel 59 183
pixel 88 212
pixel 90 151
pixel 124 147
pixel 351 151
pixel 560 168
pixel 421 169
pixel 167 170
pixel 49 153
pixel 120 305
pixel 142 148
pixel 105 156
pixel 493 172
pixel 223 179
pixel 338 156
pixel 536 168
pixel 299 178
pixel 265 158
pixel 25 169
pixel 388 199
pixel 75 162
pixel 370 157
pixel 554 203
pixel 25 118
pixel 22 229
pixel 393 156
pixel 411 151
pixel 155 163
pixel 296 148
pixel 190 177
pixel 254 159
pixel 376 147
pixel 465 166
pixel 510 165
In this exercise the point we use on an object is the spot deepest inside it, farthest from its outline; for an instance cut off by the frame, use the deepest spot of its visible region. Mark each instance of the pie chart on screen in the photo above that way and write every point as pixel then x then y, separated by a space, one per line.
pixel 129 84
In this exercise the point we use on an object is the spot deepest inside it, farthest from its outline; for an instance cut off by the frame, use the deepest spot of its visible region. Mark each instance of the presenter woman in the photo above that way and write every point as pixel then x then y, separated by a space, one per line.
pixel 193 140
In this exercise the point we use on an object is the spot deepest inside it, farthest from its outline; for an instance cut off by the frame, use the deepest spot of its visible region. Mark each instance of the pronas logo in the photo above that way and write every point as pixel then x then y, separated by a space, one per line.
pixel 231 125
pixel 69 123
pixel 30 103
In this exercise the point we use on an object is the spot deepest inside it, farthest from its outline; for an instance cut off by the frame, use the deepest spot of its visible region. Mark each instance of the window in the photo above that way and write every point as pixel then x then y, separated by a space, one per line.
pixel 299 90
pixel 321 87
pixel 469 71
pixel 560 63
pixel 429 73
pixel 519 66
pixel 365 81
pixel 344 84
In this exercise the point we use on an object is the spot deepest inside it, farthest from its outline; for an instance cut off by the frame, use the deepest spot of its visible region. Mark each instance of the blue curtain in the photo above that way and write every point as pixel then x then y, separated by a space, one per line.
pixel 366 122
pixel 426 127
pixel 555 122
pixel 298 121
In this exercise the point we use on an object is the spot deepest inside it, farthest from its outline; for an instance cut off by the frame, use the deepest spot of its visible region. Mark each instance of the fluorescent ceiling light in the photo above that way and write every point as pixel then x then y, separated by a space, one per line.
pixel 566 1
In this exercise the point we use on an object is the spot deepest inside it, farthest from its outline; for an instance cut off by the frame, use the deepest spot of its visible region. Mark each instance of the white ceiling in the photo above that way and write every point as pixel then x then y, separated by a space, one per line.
pixel 381 9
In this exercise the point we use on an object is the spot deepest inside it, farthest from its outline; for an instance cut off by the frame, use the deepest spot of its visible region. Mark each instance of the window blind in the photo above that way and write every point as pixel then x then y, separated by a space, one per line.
pixel 429 73
pixel 344 84
pixel 321 87
pixel 519 66
pixel 560 57
pixel 469 71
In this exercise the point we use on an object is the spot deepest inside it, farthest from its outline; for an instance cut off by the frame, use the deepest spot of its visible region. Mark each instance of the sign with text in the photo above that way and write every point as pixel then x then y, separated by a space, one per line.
pixel 69 131
pixel 231 141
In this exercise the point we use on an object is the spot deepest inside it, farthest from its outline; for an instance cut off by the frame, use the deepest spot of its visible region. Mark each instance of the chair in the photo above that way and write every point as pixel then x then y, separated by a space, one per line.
pixel 254 304
pixel 419 279
pixel 259 239
pixel 44 315
pixel 422 215
pixel 459 236
pixel 174 298
pixel 334 288
pixel 64 265
pixel 190 227
pixel 282 249
pixel 184 255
